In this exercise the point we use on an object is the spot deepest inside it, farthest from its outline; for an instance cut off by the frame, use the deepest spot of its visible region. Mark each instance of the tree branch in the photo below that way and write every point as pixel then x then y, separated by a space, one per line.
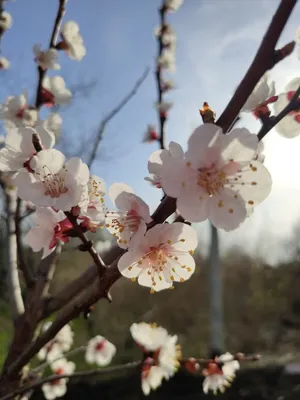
pixel 79 374
pixel 270 123
pixel 113 113
pixel 42 72
pixel 265 59
pixel 13 274
pixel 27 273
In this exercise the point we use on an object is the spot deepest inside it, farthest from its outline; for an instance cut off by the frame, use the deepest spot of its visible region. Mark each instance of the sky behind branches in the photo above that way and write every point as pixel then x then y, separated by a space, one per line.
pixel 217 40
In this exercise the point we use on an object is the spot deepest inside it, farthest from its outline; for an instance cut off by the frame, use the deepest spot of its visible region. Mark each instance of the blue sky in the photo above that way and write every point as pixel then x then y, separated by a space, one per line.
pixel 217 40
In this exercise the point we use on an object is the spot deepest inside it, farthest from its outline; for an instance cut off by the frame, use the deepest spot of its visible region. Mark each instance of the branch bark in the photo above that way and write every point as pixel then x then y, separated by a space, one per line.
pixel 265 59
pixel 113 113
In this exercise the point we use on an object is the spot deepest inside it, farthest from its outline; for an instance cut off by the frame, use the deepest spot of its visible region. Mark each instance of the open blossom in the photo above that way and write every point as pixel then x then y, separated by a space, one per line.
pixel 158 159
pixel 128 224
pixel 55 92
pixel 54 181
pixel 4 63
pixel 289 126
pixel 53 124
pixel 161 257
pixel 220 373
pixel 161 364
pixel 167 60
pixel 16 112
pixel 51 228
pixel 167 85
pixel 262 95
pixel 92 209
pixel 151 134
pixel 100 351
pixel 167 36
pixel 46 59
pixel 149 337
pixel 19 150
pixel 219 178
pixel 163 108
pixel 60 343
pixel 173 5
pixel 58 388
pixel 5 21
pixel 72 41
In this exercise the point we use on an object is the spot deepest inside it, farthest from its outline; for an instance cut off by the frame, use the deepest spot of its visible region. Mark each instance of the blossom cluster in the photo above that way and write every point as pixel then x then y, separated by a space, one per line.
pixel 161 359
pixel 5 24
pixel 167 42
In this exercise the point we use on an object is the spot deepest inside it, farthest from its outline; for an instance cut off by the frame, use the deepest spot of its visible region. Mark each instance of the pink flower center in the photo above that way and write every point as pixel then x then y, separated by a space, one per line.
pixel 100 345
pixel 296 113
pixel 130 221
pixel 58 371
pixel 212 369
pixel 61 232
pixel 47 97
pixel 20 112
pixel 54 184
pixel 212 179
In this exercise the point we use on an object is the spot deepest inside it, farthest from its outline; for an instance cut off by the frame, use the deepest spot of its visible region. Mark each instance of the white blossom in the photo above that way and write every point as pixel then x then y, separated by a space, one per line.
pixel 4 63
pixel 16 112
pixel 5 21
pixel 19 150
pixel 46 59
pixel 128 224
pixel 289 126
pixel 50 229
pixel 173 5
pixel 148 336
pixel 163 108
pixel 53 124
pixel 54 181
pixel 261 93
pixel 158 159
pixel 219 178
pixel 61 343
pixel 72 41
pixel 100 351
pixel 55 92
pixel 161 257
pixel 58 388
pixel 167 60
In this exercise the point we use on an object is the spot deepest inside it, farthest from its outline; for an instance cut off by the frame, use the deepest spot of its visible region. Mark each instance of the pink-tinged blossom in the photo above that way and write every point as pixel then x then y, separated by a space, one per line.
pixel 261 93
pixel 46 59
pixel 92 209
pixel 100 351
pixel 220 373
pixel 128 224
pixel 54 181
pixel 19 150
pixel 173 5
pixel 149 337
pixel 5 21
pixel 161 257
pixel 167 85
pixel 54 91
pixel 289 126
pixel 161 364
pixel 51 228
pixel 58 388
pixel 4 63
pixel 61 343
pixel 151 134
pixel 158 159
pixel 163 108
pixel 219 178
pixel 72 41
pixel 16 112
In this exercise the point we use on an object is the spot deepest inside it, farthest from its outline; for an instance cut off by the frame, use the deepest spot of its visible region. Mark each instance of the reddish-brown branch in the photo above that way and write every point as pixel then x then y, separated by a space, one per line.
pixel 265 59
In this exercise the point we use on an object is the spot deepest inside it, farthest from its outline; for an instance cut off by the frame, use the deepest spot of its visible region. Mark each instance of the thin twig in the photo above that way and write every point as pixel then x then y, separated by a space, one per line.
pixel 42 72
pixel 27 273
pixel 113 113
pixel 79 374
pixel 161 117
pixel 270 123
pixel 265 59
